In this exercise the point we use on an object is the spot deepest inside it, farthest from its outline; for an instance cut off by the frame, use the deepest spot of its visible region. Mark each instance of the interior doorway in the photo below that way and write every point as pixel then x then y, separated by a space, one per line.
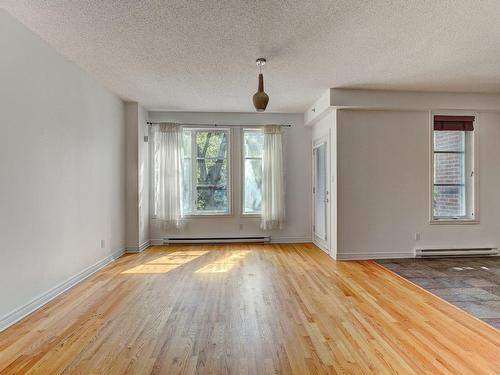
pixel 321 199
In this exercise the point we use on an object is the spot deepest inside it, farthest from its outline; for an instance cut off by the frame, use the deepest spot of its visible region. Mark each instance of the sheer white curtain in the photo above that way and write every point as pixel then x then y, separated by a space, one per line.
pixel 167 174
pixel 273 179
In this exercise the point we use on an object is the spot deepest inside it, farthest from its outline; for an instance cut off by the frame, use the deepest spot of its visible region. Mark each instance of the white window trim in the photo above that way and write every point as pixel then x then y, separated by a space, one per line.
pixel 475 160
pixel 242 166
pixel 203 214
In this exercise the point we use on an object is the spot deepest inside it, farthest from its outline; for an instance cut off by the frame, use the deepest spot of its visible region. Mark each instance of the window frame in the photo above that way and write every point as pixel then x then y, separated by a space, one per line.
pixel 196 213
pixel 243 173
pixel 471 151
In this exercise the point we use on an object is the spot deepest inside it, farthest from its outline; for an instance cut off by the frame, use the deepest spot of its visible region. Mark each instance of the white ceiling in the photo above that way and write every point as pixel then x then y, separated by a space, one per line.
pixel 199 55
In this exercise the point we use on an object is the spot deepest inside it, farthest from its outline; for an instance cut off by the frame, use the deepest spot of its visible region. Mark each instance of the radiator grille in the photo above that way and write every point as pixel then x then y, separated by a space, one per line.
pixel 428 253
pixel 190 240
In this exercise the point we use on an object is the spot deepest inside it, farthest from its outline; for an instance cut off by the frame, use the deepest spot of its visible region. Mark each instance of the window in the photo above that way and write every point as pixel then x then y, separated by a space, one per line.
pixel 206 171
pixel 253 145
pixel 453 168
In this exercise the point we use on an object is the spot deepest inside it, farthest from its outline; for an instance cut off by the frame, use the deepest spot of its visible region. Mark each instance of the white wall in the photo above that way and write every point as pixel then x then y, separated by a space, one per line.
pixel 137 186
pixel 132 175
pixel 384 185
pixel 143 179
pixel 298 179
pixel 62 168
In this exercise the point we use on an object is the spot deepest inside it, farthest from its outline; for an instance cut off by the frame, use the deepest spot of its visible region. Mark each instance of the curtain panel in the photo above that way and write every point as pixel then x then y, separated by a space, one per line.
pixel 273 179
pixel 167 174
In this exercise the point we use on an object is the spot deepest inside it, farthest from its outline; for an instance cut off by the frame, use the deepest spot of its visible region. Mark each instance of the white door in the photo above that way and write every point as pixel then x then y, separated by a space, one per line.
pixel 320 191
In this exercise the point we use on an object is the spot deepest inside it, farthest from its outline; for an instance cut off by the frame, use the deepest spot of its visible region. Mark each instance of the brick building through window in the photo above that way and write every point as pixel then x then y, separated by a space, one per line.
pixel 453 173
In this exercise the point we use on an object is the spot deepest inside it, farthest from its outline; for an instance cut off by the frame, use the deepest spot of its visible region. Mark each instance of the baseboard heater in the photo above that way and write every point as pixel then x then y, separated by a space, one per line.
pixel 191 240
pixel 433 253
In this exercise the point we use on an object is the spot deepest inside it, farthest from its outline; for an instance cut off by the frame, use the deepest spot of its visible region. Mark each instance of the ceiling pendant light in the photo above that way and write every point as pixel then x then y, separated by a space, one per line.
pixel 260 99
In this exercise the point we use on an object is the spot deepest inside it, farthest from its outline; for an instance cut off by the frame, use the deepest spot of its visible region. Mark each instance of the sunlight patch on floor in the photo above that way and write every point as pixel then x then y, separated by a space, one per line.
pixel 166 263
pixel 224 264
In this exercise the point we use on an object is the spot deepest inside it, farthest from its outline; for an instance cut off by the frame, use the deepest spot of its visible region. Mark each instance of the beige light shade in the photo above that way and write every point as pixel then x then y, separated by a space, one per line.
pixel 260 99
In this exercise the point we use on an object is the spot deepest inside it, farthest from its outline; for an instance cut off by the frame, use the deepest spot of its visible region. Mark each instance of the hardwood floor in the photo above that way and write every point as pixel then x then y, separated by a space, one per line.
pixel 247 309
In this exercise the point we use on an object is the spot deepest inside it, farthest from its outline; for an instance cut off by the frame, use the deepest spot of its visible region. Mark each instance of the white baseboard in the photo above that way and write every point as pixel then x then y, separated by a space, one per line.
pixel 374 255
pixel 159 241
pixel 145 245
pixel 321 245
pixel 19 313
pixel 138 249
pixel 291 239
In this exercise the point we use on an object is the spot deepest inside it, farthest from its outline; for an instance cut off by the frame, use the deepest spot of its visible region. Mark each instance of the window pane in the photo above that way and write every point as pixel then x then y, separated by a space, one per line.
pixel 211 144
pixel 253 185
pixel 187 178
pixel 186 142
pixel 211 199
pixel 449 141
pixel 449 201
pixel 254 143
pixel 449 169
pixel 211 172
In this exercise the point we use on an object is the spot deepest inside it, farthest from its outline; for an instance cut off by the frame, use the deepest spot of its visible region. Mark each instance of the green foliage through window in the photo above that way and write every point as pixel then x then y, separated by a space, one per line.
pixel 206 187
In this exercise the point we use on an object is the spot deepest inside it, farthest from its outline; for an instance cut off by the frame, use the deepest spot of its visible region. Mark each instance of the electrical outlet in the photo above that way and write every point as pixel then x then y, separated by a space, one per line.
pixel 417 236
pixel 103 244
pixel 241 226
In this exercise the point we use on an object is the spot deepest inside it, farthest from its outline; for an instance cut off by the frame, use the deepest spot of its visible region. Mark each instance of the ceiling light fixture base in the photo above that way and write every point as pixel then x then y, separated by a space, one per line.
pixel 260 61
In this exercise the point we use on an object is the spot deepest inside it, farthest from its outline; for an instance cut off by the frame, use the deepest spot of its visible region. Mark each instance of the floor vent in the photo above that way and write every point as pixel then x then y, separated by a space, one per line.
pixel 433 253
pixel 191 240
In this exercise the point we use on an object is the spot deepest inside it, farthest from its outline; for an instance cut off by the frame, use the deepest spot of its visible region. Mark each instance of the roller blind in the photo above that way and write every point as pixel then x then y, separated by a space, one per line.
pixel 454 123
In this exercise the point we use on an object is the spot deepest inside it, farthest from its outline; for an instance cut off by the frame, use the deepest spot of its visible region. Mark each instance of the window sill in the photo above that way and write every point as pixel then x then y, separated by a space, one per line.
pixel 208 214
pixel 454 221
pixel 201 216
pixel 243 214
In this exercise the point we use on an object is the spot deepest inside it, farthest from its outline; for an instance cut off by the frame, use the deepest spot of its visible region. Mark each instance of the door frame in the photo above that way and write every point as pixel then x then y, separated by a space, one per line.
pixel 323 244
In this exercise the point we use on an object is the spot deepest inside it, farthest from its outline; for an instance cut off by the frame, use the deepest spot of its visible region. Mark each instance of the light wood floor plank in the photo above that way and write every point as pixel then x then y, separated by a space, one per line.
pixel 247 309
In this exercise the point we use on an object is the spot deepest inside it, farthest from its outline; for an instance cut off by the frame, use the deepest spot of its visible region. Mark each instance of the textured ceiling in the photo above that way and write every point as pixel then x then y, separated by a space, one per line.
pixel 199 55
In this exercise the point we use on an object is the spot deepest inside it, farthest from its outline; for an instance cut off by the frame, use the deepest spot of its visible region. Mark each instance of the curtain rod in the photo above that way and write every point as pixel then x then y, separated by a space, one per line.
pixel 218 125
